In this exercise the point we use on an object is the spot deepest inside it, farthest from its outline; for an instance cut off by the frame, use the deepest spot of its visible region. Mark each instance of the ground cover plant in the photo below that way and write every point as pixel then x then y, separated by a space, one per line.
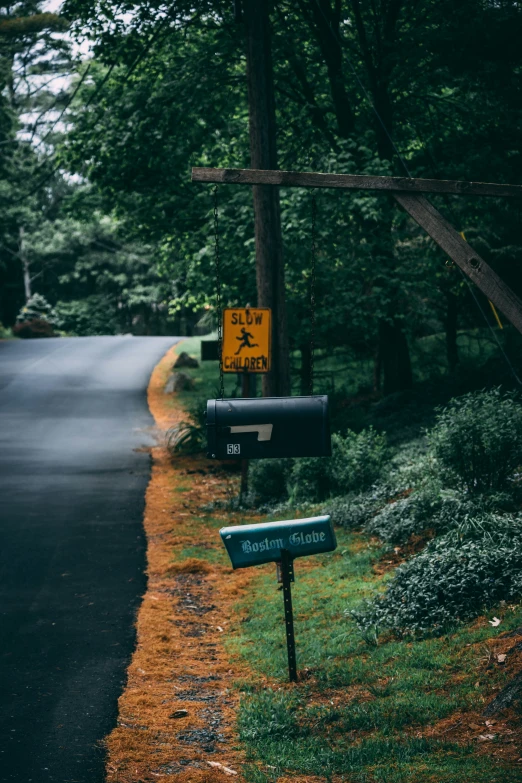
pixel 468 498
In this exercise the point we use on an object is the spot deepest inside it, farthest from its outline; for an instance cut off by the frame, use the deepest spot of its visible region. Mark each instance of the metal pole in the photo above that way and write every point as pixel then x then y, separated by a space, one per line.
pixel 245 390
pixel 287 568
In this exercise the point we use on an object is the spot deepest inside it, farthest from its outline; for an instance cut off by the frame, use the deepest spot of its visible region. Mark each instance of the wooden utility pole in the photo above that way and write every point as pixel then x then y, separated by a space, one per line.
pixel 270 273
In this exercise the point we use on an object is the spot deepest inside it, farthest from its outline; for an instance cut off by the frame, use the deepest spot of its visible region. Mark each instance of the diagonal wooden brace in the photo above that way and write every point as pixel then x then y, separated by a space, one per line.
pixel 443 233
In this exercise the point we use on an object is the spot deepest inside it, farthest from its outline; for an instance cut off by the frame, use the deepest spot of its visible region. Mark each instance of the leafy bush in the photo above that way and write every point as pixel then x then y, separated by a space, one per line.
pixel 477 440
pixel 189 436
pixel 4 332
pixel 267 479
pixel 310 480
pixel 37 327
pixel 38 309
pixel 94 315
pixel 401 518
pixel 357 461
pixel 447 583
pixel 354 510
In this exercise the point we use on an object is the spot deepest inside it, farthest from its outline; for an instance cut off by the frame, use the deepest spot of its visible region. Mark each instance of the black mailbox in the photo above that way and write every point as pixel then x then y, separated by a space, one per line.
pixel 262 427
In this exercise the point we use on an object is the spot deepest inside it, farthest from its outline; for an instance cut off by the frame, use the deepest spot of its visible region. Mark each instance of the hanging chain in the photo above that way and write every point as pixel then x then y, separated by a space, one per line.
pixel 217 261
pixel 312 292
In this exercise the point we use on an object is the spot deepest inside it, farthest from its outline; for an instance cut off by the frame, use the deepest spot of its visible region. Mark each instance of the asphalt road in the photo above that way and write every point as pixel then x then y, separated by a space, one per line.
pixel 73 474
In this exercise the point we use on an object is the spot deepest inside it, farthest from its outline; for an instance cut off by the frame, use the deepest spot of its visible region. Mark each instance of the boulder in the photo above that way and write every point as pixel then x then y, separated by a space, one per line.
pixel 178 381
pixel 184 360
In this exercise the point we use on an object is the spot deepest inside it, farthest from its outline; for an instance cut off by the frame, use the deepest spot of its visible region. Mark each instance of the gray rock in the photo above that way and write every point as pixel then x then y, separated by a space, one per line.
pixel 184 360
pixel 178 381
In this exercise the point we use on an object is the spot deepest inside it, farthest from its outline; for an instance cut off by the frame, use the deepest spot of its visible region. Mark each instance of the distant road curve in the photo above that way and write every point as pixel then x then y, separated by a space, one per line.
pixel 73 416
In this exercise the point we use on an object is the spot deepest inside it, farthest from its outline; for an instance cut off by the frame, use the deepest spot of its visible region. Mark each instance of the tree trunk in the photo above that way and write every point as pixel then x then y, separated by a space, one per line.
pixel 25 265
pixel 452 350
pixel 267 212
pixel 394 357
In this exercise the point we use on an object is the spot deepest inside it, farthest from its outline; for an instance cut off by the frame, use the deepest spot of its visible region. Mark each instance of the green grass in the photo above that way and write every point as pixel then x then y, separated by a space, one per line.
pixel 211 554
pixel 358 712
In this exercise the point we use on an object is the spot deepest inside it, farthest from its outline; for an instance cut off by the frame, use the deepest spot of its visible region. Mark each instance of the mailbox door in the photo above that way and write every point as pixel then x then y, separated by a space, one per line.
pixel 266 427
pixel 249 545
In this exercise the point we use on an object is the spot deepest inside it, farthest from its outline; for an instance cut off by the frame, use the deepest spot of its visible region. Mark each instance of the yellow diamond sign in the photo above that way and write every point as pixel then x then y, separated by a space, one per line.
pixel 246 339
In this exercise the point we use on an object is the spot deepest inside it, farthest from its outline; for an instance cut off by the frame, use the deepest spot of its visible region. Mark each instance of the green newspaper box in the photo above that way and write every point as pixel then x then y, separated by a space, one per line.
pixel 251 545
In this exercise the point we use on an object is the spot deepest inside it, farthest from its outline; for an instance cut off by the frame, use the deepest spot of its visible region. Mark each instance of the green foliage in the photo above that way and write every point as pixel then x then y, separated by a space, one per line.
pixel 310 480
pixel 354 510
pixel 356 463
pixel 358 459
pixel 268 478
pixel 451 580
pixel 400 518
pixel 189 436
pixel 466 496
pixel 477 440
pixel 184 438
pixel 38 308
pixel 96 314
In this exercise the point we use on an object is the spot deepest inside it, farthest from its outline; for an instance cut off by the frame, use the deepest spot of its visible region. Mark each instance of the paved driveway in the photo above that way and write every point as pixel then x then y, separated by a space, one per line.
pixel 73 416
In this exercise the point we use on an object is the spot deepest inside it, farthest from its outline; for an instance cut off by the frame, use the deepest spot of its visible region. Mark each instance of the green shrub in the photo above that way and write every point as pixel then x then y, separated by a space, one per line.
pixel 356 463
pixel 189 436
pixel 357 459
pixel 451 580
pixel 267 479
pixel 398 520
pixel 94 315
pixel 477 440
pixel 38 309
pixel 354 510
pixel 310 480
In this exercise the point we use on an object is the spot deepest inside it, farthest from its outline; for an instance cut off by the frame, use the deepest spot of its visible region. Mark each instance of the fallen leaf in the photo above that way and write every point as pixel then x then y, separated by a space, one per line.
pixel 486 737
pixel 220 631
pixel 501 657
pixel 475 726
pixel 224 769
pixel 179 714
pixel 494 622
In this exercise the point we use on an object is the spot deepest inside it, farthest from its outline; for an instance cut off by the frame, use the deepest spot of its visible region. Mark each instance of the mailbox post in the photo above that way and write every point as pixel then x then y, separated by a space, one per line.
pixel 281 543
pixel 287 569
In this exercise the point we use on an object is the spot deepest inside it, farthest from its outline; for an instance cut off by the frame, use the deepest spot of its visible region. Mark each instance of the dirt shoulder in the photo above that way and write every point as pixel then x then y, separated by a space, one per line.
pixel 177 712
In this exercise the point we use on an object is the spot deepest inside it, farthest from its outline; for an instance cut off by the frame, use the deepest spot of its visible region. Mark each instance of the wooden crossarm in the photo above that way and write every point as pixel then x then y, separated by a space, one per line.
pixel 407 192
pixel 353 182
pixel 430 219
